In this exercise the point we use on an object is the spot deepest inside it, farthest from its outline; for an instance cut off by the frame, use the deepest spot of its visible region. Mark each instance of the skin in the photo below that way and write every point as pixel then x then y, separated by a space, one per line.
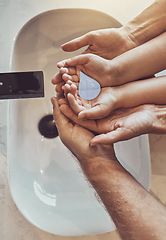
pixel 136 214
pixel 141 62
pixel 149 24
pixel 92 65
pixel 121 124
pixel 110 98
pixel 98 42
pixel 131 207
pixel 110 43
pixel 133 217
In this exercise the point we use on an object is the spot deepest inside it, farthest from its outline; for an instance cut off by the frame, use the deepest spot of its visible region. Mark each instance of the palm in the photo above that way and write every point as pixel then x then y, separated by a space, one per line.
pixel 94 66
pixel 106 43
pixel 96 108
pixel 77 138
pixel 128 123
pixel 97 68
pixel 122 124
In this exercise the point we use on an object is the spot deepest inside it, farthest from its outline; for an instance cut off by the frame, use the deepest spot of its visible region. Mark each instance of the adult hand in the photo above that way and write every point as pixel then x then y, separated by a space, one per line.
pixel 102 70
pixel 122 124
pixel 77 138
pixel 101 106
pixel 106 43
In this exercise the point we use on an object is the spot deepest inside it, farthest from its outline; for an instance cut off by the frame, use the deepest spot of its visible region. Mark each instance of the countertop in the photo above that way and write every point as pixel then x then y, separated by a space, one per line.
pixel 13 15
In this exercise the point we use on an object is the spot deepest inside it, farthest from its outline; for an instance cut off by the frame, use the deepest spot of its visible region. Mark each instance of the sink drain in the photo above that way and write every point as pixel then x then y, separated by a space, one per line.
pixel 47 127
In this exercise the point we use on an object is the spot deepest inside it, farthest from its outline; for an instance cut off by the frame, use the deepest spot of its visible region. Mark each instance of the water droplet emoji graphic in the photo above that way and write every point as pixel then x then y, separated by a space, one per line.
pixel 88 87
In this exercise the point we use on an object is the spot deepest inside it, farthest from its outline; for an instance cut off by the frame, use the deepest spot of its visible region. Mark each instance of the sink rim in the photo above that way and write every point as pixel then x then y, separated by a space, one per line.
pixel 52 11
pixel 18 34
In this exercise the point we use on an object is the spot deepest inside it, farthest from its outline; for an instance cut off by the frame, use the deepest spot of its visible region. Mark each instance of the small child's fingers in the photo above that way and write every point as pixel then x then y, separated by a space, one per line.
pixel 62 101
pixel 69 82
pixel 70 70
pixel 59 87
pixel 63 63
pixel 66 77
pixel 57 78
pixel 73 83
pixel 66 89
pixel 70 86
pixel 74 104
pixel 92 113
pixel 73 89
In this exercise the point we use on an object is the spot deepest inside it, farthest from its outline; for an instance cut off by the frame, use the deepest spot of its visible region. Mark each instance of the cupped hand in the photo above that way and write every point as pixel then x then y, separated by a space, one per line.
pixel 121 124
pixel 76 138
pixel 96 108
pixel 100 69
pixel 127 124
pixel 106 43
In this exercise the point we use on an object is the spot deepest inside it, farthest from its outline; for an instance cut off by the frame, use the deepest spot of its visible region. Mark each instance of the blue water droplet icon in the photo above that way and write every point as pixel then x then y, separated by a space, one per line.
pixel 89 88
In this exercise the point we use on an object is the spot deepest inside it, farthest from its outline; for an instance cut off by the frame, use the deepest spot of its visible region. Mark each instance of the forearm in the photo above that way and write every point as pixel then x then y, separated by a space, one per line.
pixel 148 91
pixel 141 62
pixel 136 214
pixel 149 24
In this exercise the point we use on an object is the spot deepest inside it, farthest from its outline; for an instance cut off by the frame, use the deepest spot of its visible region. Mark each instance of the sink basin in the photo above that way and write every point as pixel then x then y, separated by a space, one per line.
pixel 45 180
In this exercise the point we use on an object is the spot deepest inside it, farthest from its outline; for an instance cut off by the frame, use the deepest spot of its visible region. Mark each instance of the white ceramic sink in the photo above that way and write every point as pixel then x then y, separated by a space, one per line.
pixel 45 180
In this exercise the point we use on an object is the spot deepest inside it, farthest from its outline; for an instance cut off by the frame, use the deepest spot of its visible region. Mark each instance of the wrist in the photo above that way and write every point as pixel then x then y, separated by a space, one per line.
pixel 115 72
pixel 118 71
pixel 149 24
pixel 143 32
pixel 101 168
pixel 159 124
pixel 119 93
pixel 101 157
pixel 128 30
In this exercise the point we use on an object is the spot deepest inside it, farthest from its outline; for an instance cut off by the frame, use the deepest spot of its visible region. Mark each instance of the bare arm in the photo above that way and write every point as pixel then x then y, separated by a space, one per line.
pixel 109 43
pixel 122 124
pixel 135 212
pixel 149 24
pixel 150 91
pixel 141 62
pixel 147 91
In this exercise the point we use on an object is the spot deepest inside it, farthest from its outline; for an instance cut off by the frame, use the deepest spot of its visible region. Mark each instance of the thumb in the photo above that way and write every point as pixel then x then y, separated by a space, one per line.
pixel 76 43
pixel 60 119
pixel 77 60
pixel 112 137
pixel 95 112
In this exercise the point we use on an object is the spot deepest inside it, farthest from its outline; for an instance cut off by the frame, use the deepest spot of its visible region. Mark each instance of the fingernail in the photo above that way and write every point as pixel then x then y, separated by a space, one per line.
pixel 92 144
pixel 82 116
pixel 60 64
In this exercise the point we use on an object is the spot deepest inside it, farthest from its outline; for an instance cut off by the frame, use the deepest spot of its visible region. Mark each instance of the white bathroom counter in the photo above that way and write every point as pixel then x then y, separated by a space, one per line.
pixel 13 15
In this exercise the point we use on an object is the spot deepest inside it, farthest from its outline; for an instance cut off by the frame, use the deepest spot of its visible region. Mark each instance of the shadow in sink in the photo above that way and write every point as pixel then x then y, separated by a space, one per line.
pixel 45 180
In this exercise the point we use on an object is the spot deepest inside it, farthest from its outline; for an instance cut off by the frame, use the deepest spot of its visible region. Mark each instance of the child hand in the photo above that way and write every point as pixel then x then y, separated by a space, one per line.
pixel 121 124
pixel 102 70
pixel 97 108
